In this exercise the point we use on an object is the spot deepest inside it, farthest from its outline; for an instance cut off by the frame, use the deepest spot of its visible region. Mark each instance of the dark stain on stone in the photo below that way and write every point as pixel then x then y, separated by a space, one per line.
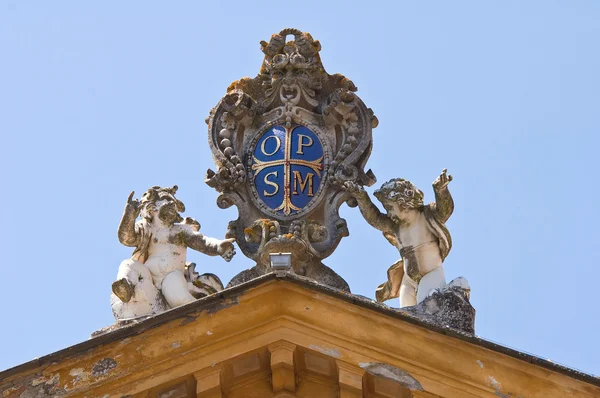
pixel 223 304
pixel 411 263
pixel 177 239
pixel 188 319
pixel 103 366
pixel 34 385
pixel 51 391
pixel 213 309
pixel 13 392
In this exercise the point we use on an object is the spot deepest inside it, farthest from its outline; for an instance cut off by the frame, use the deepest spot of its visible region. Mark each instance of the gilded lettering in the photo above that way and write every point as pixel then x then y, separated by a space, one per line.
pixel 302 144
pixel 264 143
pixel 303 183
pixel 271 183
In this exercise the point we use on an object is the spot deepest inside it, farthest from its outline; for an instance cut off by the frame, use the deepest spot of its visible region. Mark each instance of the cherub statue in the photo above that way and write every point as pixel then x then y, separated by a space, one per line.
pixel 417 230
pixel 154 278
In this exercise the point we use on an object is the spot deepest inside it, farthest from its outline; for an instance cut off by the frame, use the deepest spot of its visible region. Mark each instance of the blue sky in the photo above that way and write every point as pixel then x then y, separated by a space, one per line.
pixel 98 99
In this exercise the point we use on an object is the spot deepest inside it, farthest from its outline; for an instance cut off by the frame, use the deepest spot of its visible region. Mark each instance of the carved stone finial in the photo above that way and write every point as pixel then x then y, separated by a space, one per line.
pixel 284 144
pixel 157 277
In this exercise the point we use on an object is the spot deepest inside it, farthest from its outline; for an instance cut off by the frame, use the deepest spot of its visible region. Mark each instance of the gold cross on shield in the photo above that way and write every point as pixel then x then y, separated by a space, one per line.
pixel 287 206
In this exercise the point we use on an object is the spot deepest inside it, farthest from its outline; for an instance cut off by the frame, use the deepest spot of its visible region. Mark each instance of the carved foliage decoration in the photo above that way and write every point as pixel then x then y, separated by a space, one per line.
pixel 284 143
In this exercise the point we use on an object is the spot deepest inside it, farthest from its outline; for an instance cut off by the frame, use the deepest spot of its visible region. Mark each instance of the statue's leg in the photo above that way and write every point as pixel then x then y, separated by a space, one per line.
pixel 134 292
pixel 408 292
pixel 434 279
pixel 127 278
pixel 175 289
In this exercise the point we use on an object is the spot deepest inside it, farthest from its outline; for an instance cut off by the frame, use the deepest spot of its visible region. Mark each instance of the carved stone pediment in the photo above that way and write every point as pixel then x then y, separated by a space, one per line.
pixel 284 143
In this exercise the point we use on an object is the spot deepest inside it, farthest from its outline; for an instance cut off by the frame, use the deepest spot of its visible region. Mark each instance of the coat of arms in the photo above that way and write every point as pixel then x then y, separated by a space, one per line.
pixel 285 143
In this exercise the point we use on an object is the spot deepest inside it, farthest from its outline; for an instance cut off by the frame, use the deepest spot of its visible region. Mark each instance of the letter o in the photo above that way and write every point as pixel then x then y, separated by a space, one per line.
pixel 262 146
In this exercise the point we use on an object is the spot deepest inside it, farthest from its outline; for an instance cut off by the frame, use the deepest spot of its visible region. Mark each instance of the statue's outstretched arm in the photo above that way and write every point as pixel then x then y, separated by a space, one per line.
pixel 199 242
pixel 127 234
pixel 444 204
pixel 210 246
pixel 369 211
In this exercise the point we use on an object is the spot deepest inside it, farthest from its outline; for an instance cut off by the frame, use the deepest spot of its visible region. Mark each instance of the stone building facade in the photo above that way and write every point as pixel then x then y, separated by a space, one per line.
pixel 283 335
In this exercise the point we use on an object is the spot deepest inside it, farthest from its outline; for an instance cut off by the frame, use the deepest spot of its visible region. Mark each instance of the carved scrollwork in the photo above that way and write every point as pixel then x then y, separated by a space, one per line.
pixel 225 201
pixel 231 111
pixel 353 122
pixel 291 92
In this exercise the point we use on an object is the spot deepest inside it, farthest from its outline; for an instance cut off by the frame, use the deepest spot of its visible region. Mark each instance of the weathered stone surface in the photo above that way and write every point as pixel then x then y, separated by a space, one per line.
pixel 246 276
pixel 316 271
pixel 341 339
pixel 119 323
pixel 284 143
pixel 447 307
pixel 157 276
pixel 416 229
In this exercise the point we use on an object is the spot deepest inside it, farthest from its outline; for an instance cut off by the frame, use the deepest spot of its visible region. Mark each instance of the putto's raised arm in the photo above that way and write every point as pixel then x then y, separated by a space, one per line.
pixel 444 204
pixel 127 233
pixel 368 209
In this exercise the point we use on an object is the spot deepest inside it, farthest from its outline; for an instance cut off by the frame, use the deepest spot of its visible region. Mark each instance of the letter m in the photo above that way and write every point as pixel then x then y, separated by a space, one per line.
pixel 299 183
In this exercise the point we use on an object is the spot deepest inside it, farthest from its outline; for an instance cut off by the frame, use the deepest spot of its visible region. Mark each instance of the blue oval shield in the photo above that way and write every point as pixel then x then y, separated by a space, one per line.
pixel 287 165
